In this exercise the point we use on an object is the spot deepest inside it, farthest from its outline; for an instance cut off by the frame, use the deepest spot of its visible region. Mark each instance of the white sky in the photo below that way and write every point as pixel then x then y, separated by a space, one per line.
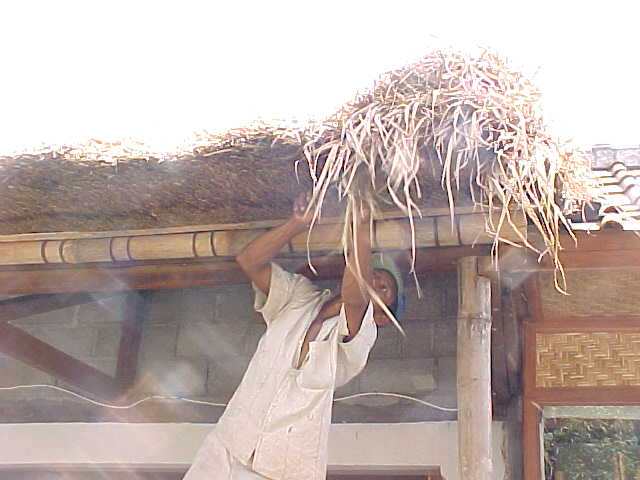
pixel 158 71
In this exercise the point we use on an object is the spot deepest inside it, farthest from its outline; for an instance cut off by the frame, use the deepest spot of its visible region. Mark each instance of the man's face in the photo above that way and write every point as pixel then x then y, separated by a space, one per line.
pixel 385 286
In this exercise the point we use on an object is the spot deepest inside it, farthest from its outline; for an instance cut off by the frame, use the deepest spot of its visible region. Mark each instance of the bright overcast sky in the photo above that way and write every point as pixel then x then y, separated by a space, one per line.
pixel 158 71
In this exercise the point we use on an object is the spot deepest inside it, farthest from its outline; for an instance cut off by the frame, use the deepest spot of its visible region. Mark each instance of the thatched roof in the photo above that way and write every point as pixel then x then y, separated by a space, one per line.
pixel 237 177
pixel 449 128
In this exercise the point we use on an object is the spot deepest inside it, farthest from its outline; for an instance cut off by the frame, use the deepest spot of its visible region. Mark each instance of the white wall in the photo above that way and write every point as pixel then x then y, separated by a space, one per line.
pixel 352 447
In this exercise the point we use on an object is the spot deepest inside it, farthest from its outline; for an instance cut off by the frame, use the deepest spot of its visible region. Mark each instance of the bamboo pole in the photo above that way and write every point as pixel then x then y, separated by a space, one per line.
pixel 128 246
pixel 619 461
pixel 474 372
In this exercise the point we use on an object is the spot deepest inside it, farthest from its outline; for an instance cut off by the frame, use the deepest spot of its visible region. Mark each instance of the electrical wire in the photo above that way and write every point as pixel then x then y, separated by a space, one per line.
pixel 396 395
pixel 212 404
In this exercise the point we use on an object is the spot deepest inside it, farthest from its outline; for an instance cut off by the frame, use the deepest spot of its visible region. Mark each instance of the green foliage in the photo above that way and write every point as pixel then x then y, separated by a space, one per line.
pixel 589 449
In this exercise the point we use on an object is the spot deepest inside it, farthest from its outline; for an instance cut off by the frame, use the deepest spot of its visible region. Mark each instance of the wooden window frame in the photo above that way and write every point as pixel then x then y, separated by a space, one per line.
pixel 535 398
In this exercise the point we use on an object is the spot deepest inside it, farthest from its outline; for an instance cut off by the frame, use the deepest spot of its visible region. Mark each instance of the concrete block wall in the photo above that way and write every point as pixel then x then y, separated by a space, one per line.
pixel 197 343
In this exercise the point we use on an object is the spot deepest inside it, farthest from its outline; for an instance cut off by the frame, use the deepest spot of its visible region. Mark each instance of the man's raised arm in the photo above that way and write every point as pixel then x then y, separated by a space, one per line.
pixel 255 258
pixel 354 297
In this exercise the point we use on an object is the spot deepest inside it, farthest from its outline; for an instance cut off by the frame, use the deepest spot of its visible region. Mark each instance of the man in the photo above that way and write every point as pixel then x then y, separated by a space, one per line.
pixel 277 423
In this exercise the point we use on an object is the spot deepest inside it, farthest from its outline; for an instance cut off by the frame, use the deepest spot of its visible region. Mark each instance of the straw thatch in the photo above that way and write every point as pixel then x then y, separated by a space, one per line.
pixel 241 176
pixel 101 186
pixel 474 123
pixel 448 130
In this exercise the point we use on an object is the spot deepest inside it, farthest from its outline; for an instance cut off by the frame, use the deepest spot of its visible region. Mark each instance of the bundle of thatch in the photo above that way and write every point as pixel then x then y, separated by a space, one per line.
pixel 469 119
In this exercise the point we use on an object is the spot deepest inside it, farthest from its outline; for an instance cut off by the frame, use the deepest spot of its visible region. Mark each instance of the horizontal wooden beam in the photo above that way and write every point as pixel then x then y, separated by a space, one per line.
pixel 32 279
pixel 38 354
pixel 14 308
pixel 99 278
pixel 601 395
pixel 601 250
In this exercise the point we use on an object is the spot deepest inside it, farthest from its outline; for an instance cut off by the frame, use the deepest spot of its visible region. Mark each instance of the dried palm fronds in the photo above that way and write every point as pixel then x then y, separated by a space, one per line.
pixel 469 118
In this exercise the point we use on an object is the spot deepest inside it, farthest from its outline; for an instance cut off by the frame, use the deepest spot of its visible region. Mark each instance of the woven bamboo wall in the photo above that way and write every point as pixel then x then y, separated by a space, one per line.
pixel 592 293
pixel 587 359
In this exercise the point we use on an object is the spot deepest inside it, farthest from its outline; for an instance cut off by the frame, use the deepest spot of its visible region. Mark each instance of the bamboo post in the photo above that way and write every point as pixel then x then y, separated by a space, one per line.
pixel 619 461
pixel 474 372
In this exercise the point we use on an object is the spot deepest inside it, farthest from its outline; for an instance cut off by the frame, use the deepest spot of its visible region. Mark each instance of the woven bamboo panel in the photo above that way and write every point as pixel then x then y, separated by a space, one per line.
pixel 592 293
pixel 587 359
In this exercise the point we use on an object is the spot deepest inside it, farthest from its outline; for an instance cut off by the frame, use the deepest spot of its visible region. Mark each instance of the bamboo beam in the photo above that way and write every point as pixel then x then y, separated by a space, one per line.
pixel 258 224
pixel 390 233
pixel 38 354
pixel 474 372
pixel 14 308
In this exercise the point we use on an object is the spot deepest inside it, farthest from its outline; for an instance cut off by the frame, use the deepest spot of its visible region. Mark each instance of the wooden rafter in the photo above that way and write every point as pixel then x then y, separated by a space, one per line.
pixel 135 313
pixel 38 354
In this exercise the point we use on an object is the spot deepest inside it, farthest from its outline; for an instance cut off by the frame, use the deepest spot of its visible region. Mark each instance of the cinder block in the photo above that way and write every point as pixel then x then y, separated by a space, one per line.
pixel 419 341
pixel 74 341
pixel 445 337
pixel 431 301
pixel 236 303
pixel 199 304
pixel 18 373
pixel 106 310
pixel 350 388
pixel 107 341
pixel 446 374
pixel 225 375
pixel 405 376
pixel 159 341
pixel 450 284
pixel 211 340
pixel 388 343
pixel 167 307
pixel 176 376
pixel 61 318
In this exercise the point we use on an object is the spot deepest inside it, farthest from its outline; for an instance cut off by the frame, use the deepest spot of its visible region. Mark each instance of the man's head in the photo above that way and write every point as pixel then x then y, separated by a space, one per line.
pixel 387 283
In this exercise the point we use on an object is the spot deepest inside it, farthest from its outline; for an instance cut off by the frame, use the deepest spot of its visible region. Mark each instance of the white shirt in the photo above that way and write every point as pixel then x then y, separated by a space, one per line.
pixel 279 417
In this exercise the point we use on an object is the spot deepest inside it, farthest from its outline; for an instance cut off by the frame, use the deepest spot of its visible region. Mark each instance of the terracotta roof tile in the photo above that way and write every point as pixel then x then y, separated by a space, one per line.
pixel 617 172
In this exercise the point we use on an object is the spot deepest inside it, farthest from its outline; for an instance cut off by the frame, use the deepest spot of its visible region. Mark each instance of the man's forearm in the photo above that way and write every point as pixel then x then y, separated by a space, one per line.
pixel 263 248
pixel 354 295
pixel 255 258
